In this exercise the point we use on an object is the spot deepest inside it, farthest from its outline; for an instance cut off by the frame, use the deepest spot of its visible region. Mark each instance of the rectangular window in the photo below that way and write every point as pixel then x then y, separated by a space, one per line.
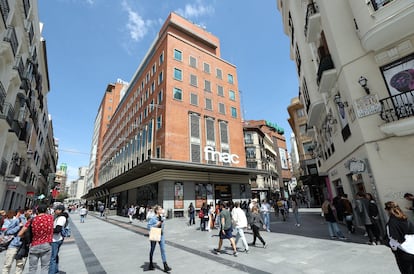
pixel 160 97
pixel 209 104
pixel 222 108
pixel 232 95
pixel 160 78
pixel 300 112
pixel 195 146
pixel 207 85
pixel 178 75
pixel 302 129
pixel 251 152
pixel 161 58
pixel 233 112
pixel 194 99
pixel 178 55
pixel 224 135
pixel 178 94
pixel 206 67
pixel 152 87
pixel 154 69
pixel 193 80
pixel 220 90
pixel 159 122
pixel 193 62
pixel 230 78
pixel 219 74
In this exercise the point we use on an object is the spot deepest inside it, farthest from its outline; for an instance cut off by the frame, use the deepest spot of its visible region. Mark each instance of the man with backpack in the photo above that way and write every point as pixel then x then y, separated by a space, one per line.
pixel 60 222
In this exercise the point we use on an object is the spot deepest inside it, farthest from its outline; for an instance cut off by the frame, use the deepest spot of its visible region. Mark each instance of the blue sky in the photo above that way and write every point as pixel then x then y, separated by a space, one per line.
pixel 91 43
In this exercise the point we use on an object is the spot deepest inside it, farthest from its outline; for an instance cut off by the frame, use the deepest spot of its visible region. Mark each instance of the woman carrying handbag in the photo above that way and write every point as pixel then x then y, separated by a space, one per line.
pixel 397 228
pixel 157 221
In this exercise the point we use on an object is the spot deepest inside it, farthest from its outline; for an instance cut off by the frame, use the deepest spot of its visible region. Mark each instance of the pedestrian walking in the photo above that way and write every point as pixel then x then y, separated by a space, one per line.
pixel 374 216
pixel 295 210
pixel 265 210
pixel 157 220
pixel 203 215
pixel 59 223
pixel 82 213
pixel 13 228
pixel 362 209
pixel 141 213
pixel 328 213
pixel 256 223
pixel 397 227
pixel 131 212
pixel 40 248
pixel 226 229
pixel 191 214
pixel 348 213
pixel 240 223
pixel 101 210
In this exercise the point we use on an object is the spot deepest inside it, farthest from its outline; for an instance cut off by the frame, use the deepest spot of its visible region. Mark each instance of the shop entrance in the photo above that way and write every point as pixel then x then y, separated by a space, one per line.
pixel 222 193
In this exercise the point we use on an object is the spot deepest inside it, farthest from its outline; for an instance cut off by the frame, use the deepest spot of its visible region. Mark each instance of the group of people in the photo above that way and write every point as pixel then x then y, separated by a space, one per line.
pixel 396 234
pixel 46 225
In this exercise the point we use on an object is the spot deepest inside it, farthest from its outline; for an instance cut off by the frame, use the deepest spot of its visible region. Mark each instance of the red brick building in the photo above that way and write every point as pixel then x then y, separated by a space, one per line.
pixel 177 134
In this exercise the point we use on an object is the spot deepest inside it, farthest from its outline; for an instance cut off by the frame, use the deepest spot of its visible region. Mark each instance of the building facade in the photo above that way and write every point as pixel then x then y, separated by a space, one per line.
pixel 312 184
pixel 354 62
pixel 175 137
pixel 109 103
pixel 28 149
pixel 266 150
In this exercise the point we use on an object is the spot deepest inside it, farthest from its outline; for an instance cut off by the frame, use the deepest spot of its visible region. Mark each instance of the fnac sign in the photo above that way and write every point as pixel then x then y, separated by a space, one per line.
pixel 224 157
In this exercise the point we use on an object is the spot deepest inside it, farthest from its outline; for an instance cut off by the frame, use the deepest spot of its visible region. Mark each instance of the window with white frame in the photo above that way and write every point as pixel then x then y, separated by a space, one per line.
pixel 193 80
pixel 207 85
pixel 206 67
pixel 193 62
pixel 177 94
pixel 194 99
pixel 233 112
pixel 220 90
pixel 230 79
pixel 178 74
pixel 222 108
pixel 232 95
pixel 178 55
pixel 219 74
pixel 209 104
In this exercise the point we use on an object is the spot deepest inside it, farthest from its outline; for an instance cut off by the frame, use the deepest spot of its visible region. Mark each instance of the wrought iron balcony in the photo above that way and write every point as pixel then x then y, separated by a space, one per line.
pixel 5 10
pixel 3 167
pixel 312 22
pixel 398 106
pixel 11 37
pixel 377 4
pixel 7 113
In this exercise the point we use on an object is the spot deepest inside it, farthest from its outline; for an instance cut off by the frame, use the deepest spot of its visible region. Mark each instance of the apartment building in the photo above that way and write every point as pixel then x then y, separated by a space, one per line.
pixel 354 63
pixel 313 184
pixel 266 150
pixel 28 150
pixel 112 97
pixel 176 136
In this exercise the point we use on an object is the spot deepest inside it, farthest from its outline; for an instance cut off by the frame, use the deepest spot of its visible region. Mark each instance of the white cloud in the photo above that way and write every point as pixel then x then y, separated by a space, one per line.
pixel 192 11
pixel 136 25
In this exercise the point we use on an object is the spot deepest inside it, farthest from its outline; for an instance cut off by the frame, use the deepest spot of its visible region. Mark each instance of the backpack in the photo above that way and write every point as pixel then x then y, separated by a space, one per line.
pixel 66 231
pixel 201 214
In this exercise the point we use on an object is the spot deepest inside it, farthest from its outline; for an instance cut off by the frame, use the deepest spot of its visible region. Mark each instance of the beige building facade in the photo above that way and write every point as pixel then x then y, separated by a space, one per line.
pixel 355 64
pixel 28 150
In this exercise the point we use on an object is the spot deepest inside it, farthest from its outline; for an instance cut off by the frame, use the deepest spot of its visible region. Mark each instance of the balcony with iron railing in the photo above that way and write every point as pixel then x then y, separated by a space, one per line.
pixel 7 113
pixel 398 113
pixel 5 10
pixel 3 167
pixel 326 75
pixel 11 38
pixel 312 22
pixel 381 23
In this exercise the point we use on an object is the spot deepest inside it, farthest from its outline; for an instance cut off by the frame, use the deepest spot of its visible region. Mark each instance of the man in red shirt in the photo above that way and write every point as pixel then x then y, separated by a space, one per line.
pixel 40 248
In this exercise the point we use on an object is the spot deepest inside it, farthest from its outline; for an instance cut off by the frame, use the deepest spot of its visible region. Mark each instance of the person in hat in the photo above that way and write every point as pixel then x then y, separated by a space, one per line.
pixel 59 223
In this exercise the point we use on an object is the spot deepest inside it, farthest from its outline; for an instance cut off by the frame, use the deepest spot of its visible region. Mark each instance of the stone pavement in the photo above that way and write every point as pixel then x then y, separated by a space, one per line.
pixel 112 245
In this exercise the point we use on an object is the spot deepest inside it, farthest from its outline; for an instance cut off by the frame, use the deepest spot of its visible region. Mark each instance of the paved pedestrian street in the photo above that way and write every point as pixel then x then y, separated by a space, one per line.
pixel 112 245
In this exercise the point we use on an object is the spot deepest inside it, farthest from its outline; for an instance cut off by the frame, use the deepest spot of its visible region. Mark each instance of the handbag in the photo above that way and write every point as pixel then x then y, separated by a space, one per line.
pixel 5 241
pixel 155 234
pixel 408 244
